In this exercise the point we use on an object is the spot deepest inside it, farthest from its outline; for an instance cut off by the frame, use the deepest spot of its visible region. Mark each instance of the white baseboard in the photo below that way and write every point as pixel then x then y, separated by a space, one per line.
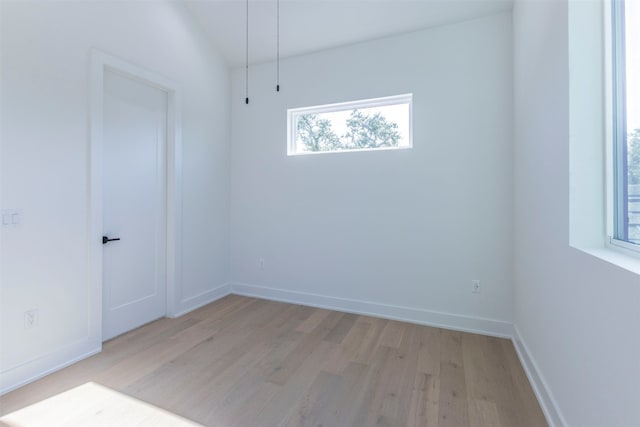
pixel 457 322
pixel 202 299
pixel 28 372
pixel 545 397
pixel 24 374
pixel 43 366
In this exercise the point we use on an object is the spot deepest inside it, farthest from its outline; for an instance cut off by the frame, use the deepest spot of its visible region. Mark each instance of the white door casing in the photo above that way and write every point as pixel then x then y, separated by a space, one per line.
pixel 105 67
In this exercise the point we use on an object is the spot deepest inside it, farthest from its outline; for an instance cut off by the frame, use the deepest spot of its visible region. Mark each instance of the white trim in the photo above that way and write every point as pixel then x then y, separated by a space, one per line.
pixel 207 297
pixel 353 150
pixel 612 125
pixel 99 62
pixel 477 325
pixel 174 200
pixel 542 391
pixel 43 366
pixel 25 373
pixel 360 103
pixel 611 243
pixel 627 248
pixel 292 113
pixel 608 118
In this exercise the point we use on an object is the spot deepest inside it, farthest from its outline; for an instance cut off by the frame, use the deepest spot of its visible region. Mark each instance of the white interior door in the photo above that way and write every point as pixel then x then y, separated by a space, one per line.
pixel 134 203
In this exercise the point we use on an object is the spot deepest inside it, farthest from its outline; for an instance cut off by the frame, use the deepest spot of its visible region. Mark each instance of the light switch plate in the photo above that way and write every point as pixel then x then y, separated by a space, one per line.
pixel 11 217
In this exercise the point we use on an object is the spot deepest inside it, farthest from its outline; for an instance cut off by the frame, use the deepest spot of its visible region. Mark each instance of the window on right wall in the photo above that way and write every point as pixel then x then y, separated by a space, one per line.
pixel 625 97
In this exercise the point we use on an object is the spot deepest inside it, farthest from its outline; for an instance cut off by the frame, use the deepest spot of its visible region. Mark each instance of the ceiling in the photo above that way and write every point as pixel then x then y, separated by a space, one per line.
pixel 312 25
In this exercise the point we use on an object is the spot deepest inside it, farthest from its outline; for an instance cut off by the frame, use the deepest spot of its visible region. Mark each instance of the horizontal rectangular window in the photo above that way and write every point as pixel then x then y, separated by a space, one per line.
pixel 626 121
pixel 370 124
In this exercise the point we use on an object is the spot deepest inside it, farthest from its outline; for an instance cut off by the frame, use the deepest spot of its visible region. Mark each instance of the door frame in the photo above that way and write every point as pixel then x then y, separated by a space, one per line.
pixel 101 61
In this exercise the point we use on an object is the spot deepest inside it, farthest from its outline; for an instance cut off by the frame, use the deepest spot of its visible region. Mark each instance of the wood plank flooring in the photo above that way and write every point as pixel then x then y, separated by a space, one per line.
pixel 249 362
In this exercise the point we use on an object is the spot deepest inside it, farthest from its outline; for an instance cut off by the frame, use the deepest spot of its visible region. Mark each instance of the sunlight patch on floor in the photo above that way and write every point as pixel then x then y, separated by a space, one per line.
pixel 93 405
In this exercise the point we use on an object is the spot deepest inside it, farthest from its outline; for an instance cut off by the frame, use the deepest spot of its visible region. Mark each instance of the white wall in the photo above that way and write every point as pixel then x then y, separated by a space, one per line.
pixel 576 315
pixel 398 233
pixel 45 51
pixel 407 228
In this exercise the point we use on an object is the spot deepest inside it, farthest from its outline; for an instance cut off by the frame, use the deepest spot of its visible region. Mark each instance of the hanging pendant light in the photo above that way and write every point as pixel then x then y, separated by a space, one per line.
pixel 277 45
pixel 246 64
pixel 246 67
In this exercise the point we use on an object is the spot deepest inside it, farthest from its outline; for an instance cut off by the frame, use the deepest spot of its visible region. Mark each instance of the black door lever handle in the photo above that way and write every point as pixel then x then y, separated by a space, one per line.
pixel 106 240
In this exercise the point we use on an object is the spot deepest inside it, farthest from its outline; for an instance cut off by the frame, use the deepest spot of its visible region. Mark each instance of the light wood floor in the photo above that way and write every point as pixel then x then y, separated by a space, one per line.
pixel 248 362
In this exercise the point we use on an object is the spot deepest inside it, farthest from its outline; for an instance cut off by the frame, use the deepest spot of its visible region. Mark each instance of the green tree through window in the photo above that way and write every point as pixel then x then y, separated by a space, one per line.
pixel 633 196
pixel 366 124
pixel 371 131
pixel 363 131
pixel 625 73
pixel 633 157
pixel 316 134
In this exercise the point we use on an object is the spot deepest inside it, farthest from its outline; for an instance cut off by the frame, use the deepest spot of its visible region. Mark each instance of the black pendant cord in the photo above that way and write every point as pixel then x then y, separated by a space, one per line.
pixel 246 99
pixel 277 45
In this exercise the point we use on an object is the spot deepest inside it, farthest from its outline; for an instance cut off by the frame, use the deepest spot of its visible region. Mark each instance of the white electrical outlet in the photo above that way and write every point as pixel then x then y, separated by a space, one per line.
pixel 30 319
pixel 475 286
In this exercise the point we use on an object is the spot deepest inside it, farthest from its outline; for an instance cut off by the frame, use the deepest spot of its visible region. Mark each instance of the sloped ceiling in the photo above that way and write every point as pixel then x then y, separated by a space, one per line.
pixel 312 25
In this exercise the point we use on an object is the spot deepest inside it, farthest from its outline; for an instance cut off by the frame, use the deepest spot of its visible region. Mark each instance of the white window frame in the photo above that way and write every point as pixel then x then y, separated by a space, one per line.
pixel 613 124
pixel 293 113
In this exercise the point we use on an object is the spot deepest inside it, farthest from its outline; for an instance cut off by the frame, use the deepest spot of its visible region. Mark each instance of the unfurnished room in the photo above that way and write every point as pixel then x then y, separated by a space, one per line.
pixel 320 213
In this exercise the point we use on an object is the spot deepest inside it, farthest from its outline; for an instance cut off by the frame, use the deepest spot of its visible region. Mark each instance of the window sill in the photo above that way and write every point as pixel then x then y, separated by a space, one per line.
pixel 354 150
pixel 617 256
